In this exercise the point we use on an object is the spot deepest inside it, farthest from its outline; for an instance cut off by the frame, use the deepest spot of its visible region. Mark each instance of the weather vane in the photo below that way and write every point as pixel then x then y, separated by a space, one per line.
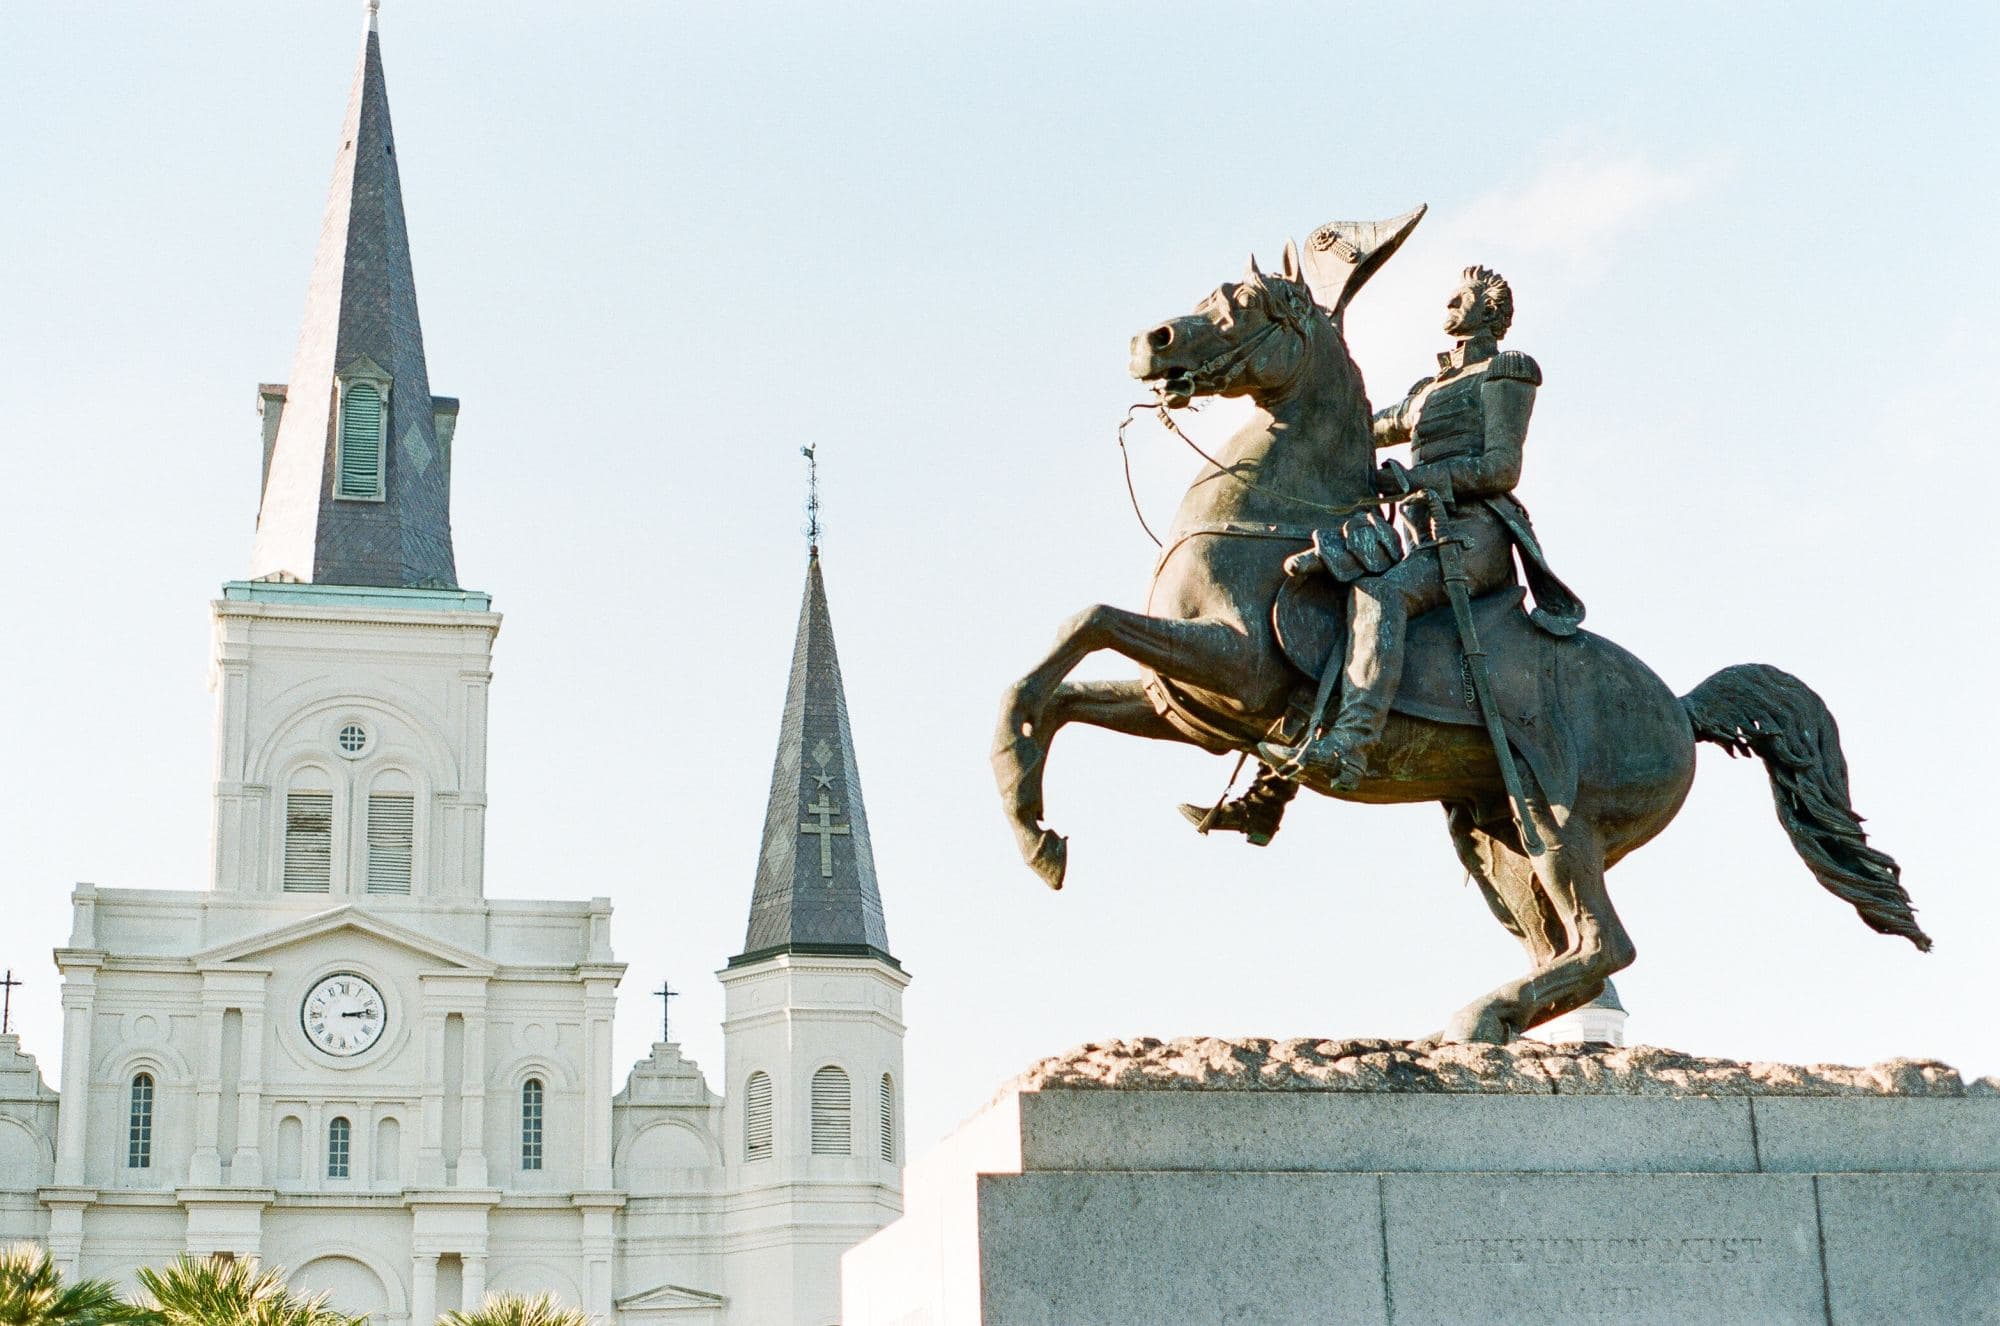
pixel 811 453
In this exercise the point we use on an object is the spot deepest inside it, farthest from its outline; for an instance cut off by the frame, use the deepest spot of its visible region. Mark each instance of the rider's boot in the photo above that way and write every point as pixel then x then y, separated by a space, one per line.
pixel 1374 666
pixel 1256 814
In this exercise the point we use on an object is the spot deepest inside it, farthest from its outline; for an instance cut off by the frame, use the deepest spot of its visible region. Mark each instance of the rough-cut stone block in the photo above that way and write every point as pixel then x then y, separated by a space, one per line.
pixel 1818 1135
pixel 1368 1132
pixel 1484 1248
pixel 1914 1249
pixel 1145 1249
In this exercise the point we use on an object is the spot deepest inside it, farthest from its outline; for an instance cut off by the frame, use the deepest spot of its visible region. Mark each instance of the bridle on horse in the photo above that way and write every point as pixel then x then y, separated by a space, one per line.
pixel 1230 362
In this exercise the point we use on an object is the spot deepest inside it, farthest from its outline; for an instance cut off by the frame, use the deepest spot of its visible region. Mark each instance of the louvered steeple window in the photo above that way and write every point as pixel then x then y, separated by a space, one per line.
pixel 757 1118
pixel 308 841
pixel 888 1118
pixel 832 1112
pixel 363 426
pixel 391 841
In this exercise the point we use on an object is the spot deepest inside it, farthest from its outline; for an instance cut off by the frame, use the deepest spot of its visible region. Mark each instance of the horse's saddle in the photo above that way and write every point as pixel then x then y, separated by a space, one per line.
pixel 1310 618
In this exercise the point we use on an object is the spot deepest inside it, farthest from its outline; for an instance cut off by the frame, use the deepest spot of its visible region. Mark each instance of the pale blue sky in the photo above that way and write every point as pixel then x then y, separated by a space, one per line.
pixel 660 246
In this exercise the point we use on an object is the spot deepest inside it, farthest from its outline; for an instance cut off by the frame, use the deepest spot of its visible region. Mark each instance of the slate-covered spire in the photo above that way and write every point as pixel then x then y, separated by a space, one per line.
pixel 357 492
pixel 816 891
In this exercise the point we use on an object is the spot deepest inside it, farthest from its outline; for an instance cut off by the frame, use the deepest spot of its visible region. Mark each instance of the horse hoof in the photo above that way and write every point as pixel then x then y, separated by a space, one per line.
pixel 1474 1027
pixel 1051 858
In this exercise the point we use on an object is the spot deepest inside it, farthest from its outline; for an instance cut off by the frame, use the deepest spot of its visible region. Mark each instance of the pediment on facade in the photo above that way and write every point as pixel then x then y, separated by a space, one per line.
pixel 353 920
pixel 671 1298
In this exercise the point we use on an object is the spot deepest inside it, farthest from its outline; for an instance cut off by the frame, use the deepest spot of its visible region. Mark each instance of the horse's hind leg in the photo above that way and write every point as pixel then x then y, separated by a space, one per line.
pixel 1563 916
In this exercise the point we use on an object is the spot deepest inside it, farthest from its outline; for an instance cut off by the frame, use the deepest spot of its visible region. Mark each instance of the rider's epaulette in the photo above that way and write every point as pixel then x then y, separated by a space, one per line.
pixel 1515 366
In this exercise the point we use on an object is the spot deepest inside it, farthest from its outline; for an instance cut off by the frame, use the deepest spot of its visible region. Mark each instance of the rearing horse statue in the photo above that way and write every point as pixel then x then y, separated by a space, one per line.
pixel 1610 746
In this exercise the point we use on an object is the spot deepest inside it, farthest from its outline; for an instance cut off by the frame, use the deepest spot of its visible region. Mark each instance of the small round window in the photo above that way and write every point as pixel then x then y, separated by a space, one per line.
pixel 353 739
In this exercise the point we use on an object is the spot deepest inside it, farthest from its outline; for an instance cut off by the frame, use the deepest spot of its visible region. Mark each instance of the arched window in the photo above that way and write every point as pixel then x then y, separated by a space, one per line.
pixel 531 1123
pixel 757 1118
pixel 139 1126
pixel 361 427
pixel 833 1112
pixel 888 1118
pixel 339 1145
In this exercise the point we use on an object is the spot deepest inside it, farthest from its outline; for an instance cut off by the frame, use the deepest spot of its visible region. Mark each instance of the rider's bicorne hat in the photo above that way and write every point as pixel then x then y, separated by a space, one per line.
pixel 1340 256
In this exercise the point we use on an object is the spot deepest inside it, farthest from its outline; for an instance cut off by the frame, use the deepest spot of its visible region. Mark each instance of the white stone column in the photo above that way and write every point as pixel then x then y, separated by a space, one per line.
pixel 473 1285
pixel 205 1166
pixel 472 1096
pixel 469 877
pixel 313 1162
pixel 600 1002
pixel 235 840
pixel 246 1167
pixel 423 1289
pixel 430 1142
pixel 598 1225
pixel 79 1001
pixel 66 1237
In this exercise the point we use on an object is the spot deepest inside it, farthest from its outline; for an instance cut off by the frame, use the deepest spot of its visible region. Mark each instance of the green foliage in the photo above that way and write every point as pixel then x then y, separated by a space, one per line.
pixel 221 1291
pixel 32 1293
pixel 514 1310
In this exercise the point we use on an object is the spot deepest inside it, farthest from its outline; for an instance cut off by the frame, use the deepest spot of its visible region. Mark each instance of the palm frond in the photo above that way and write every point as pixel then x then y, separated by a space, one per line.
pixel 32 1293
pixel 225 1291
pixel 517 1310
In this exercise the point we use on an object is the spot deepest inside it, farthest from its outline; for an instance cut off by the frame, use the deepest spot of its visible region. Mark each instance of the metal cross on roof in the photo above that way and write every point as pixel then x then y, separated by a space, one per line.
pixel 7 987
pixel 666 994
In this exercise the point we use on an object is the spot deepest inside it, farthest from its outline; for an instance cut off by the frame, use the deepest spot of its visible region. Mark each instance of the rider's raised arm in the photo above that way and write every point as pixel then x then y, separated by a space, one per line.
pixel 1506 402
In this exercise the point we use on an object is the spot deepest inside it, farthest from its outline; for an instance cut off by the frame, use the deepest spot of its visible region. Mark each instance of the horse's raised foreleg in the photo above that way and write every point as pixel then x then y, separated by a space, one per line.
pixel 1202 653
pixel 1565 920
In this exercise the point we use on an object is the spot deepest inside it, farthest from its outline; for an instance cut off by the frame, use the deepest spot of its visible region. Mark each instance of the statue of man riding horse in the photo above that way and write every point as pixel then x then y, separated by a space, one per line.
pixel 1297 571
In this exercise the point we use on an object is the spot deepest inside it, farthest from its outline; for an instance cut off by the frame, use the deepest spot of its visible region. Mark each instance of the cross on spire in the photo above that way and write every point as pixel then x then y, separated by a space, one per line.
pixel 811 453
pixel 7 987
pixel 666 994
pixel 827 831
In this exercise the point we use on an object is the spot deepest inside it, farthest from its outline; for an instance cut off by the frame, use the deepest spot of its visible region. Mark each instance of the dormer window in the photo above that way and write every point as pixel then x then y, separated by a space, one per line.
pixel 362 437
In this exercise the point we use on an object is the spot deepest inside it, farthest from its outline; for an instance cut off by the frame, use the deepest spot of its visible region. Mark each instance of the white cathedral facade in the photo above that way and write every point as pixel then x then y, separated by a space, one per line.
pixel 340 1056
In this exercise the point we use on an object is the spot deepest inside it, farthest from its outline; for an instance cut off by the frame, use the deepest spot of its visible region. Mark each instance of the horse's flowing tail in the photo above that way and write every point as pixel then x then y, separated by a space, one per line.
pixel 1754 709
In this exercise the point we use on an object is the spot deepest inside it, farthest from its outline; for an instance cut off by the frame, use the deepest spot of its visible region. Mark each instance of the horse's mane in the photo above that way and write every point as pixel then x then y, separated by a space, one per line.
pixel 1291 302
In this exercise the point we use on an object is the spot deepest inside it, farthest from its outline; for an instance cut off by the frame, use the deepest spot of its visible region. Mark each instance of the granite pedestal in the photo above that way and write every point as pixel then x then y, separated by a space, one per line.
pixel 1198 1196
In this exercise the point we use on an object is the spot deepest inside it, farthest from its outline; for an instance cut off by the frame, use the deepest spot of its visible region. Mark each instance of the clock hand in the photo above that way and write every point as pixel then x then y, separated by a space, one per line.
pixel 359 1013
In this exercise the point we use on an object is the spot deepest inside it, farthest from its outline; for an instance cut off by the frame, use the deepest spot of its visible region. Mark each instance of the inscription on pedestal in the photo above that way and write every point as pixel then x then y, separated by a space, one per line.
pixel 1580 1248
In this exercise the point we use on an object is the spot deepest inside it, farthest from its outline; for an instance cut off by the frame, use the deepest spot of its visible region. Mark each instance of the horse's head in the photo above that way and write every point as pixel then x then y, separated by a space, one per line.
pixel 1254 337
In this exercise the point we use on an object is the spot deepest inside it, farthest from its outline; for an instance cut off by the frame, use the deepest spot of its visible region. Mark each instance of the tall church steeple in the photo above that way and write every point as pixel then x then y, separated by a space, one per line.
pixel 813 1028
pixel 816 890
pixel 357 453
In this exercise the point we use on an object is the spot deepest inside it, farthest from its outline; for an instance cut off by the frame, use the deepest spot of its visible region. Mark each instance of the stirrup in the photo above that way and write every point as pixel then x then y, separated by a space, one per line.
pixel 1330 752
pixel 1243 816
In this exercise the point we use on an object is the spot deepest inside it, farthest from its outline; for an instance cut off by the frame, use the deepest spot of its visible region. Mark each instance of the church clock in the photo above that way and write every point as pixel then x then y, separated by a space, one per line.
pixel 343 1015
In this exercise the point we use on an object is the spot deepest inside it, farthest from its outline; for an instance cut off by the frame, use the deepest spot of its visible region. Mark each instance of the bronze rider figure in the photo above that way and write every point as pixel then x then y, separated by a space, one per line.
pixel 1466 426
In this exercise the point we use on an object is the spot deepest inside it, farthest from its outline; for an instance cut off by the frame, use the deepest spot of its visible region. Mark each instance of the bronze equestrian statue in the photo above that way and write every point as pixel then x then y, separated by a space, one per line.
pixel 1553 751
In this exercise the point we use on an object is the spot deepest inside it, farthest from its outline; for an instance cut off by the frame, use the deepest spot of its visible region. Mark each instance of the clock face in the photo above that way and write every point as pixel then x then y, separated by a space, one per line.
pixel 344 1015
